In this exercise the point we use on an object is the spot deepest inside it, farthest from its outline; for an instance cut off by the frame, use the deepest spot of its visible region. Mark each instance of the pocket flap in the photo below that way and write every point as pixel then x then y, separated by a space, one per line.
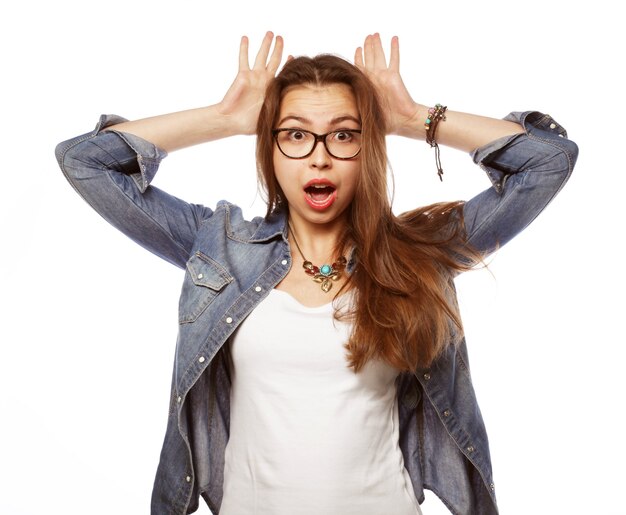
pixel 206 272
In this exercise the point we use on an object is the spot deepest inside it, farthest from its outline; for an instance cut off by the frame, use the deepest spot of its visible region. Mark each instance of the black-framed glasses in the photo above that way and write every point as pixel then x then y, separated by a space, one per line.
pixel 300 143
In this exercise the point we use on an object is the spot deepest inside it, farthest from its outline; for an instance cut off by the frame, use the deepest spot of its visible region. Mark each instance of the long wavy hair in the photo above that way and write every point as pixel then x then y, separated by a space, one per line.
pixel 404 308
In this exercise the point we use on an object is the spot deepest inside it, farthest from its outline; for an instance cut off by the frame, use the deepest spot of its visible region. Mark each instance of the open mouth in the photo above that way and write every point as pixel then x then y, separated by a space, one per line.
pixel 320 196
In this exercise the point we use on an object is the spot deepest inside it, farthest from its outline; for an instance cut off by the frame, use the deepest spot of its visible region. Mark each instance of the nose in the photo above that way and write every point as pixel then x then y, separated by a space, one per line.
pixel 320 158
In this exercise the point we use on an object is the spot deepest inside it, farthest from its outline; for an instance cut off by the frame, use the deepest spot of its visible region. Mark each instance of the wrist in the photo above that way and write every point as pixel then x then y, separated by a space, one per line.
pixel 237 120
pixel 413 125
pixel 220 123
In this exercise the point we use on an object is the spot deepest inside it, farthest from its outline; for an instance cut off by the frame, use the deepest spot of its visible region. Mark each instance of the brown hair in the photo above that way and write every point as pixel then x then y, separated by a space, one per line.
pixel 404 310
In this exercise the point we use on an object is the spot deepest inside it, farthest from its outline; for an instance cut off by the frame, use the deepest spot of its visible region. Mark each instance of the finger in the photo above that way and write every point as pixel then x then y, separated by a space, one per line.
pixel 379 54
pixel 261 56
pixel 358 58
pixel 277 55
pixel 368 52
pixel 243 54
pixel 394 56
pixel 289 57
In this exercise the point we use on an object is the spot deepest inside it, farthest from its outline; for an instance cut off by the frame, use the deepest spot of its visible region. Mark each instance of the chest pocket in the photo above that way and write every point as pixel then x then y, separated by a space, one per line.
pixel 204 279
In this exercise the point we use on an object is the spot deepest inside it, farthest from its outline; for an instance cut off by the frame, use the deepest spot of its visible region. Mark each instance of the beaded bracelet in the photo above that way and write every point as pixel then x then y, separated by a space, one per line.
pixel 435 115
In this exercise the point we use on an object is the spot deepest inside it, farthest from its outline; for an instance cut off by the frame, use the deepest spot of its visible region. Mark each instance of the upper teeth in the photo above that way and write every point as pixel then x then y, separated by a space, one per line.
pixel 319 186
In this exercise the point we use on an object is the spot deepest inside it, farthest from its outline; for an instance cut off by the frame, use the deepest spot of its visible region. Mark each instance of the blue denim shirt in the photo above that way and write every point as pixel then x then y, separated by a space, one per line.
pixel 231 265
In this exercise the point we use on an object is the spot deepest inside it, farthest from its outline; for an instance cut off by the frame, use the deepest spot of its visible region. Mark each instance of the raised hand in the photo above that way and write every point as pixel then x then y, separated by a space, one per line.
pixel 402 112
pixel 244 98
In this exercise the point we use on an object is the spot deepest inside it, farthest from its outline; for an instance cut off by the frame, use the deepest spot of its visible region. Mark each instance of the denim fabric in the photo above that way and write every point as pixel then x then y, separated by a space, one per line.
pixel 231 265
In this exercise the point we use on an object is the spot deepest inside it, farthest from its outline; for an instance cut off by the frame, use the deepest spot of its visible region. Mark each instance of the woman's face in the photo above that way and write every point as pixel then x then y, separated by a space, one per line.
pixel 318 188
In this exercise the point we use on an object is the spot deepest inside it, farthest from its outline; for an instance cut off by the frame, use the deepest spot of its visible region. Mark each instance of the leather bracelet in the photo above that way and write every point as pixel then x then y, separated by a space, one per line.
pixel 435 115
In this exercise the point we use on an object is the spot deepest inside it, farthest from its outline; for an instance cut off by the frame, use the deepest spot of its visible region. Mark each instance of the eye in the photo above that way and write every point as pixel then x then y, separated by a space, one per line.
pixel 296 135
pixel 342 136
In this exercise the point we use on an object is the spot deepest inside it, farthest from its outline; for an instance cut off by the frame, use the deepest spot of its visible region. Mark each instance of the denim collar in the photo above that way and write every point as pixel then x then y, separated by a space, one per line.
pixel 274 226
pixel 269 228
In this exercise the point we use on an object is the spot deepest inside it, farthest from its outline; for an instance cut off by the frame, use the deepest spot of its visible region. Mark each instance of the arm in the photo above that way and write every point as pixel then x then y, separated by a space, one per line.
pixel 112 167
pixel 236 114
pixel 527 156
pixel 527 171
pixel 406 117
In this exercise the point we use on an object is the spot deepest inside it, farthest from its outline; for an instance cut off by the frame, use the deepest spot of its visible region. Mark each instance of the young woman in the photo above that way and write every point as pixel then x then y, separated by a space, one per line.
pixel 320 364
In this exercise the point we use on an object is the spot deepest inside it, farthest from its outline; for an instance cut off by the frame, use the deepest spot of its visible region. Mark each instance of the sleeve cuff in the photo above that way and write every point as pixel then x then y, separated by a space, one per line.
pixel 534 123
pixel 149 155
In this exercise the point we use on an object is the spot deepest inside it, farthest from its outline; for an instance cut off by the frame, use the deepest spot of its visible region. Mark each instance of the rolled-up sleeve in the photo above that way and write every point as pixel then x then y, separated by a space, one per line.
pixel 112 171
pixel 527 170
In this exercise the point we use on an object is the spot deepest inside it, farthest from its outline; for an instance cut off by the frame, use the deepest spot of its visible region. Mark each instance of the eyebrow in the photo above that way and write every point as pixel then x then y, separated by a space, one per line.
pixel 334 121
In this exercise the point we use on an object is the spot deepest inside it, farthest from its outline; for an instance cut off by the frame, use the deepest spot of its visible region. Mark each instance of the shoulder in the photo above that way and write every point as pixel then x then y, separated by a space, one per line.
pixel 231 218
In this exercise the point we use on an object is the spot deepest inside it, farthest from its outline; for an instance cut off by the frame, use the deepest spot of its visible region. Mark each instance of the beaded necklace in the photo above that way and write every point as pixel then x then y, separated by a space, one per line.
pixel 325 274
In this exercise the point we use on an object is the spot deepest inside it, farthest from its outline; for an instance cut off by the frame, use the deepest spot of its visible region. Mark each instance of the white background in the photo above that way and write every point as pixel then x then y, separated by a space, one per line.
pixel 89 319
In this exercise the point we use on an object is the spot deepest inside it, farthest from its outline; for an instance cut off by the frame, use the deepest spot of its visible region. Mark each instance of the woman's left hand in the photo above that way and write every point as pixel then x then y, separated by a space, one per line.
pixel 403 114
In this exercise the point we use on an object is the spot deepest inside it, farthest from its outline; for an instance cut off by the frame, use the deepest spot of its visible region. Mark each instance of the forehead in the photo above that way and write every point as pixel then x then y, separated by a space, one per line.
pixel 319 103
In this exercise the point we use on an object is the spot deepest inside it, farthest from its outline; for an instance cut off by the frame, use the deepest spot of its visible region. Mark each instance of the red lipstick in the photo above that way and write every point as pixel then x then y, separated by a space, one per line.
pixel 320 194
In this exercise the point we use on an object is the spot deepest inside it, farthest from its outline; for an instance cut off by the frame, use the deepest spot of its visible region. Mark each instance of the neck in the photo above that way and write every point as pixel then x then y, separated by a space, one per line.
pixel 317 242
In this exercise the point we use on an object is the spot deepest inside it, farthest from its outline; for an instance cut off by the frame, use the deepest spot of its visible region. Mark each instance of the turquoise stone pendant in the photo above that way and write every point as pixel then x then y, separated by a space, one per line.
pixel 325 274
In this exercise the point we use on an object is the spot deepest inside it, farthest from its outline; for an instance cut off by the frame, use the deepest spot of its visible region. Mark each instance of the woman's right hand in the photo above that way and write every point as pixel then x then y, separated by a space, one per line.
pixel 243 100
pixel 236 114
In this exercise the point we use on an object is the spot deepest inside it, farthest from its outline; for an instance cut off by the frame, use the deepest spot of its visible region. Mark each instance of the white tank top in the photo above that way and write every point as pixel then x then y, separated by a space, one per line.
pixel 308 436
